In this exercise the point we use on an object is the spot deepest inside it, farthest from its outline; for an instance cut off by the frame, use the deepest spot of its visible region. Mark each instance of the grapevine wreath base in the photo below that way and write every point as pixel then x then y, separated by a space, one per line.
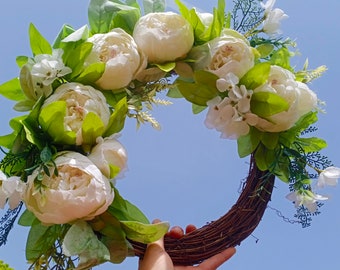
pixel 229 230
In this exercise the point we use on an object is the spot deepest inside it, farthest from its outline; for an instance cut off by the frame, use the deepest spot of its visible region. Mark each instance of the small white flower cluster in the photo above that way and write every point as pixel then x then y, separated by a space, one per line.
pixel 308 198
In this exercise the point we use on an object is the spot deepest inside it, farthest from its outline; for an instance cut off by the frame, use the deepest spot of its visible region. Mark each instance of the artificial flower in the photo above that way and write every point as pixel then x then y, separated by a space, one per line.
pixel 79 192
pixel 231 116
pixel 80 101
pixel 38 74
pixel 306 198
pixel 11 189
pixel 272 22
pixel 123 60
pixel 163 36
pixel 48 67
pixel 229 53
pixel 300 98
pixel 227 83
pixel 329 177
pixel 109 155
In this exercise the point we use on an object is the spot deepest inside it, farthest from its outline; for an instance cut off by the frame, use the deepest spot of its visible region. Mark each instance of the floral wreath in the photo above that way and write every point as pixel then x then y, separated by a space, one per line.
pixel 63 157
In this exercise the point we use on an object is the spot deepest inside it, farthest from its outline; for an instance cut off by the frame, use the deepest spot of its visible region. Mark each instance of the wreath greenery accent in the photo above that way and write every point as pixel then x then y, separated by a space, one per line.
pixel 63 157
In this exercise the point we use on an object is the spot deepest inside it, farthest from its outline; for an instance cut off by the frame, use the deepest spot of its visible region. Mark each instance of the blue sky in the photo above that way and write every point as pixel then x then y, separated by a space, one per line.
pixel 185 173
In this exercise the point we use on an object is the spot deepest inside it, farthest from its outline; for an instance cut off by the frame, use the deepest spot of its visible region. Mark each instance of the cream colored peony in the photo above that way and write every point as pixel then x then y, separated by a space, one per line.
pixel 300 98
pixel 163 36
pixel 109 154
pixel 118 50
pixel 79 192
pixel 230 53
pixel 80 100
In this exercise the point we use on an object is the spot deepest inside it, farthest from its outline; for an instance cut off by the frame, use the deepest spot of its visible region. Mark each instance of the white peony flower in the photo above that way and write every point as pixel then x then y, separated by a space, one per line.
pixel 79 192
pixel 163 36
pixel 80 100
pixel 48 67
pixel 329 177
pixel 273 17
pixel 231 116
pixel 11 189
pixel 118 50
pixel 308 199
pixel 109 154
pixel 229 53
pixel 300 98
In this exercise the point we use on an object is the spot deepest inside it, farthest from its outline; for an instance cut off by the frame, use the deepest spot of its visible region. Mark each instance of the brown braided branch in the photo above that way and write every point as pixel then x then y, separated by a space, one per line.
pixel 229 230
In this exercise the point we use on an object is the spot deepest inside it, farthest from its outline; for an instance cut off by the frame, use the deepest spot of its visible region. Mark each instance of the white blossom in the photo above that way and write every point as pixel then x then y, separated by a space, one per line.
pixel 11 190
pixel 307 199
pixel 329 177
pixel 231 116
pixel 273 17
pixel 47 68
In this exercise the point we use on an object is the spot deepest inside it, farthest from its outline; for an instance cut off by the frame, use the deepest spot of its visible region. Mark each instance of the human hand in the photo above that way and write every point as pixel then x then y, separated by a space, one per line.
pixel 156 258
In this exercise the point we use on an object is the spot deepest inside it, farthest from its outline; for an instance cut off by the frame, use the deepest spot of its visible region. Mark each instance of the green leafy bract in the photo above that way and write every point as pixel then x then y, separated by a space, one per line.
pixel 151 6
pixel 203 33
pixel 105 15
pixel 117 118
pixel 51 119
pixel 201 90
pixel 92 128
pixel 39 45
pixel 281 58
pixel 12 90
pixel 123 210
pixel 65 31
pixel 256 76
pixel 144 233
pixel 266 104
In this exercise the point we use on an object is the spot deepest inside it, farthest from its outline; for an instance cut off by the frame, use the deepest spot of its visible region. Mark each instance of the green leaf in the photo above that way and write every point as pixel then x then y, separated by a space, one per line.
pixel 264 157
pixel 91 73
pixel 216 27
pixel 266 104
pixel 75 55
pixel 265 49
pixel 248 143
pixel 196 109
pixel 174 92
pixel 81 34
pixel 31 126
pixel 151 6
pixel 65 31
pixel 313 144
pixel 201 90
pixel 21 60
pixel 144 233
pixel 51 119
pixel 92 128
pixel 105 15
pixel 39 45
pixel 24 105
pixel 123 210
pixel 281 58
pixel 117 118
pixel 12 90
pixel 33 249
pixel 270 139
pixel 81 241
pixel 167 67
pixel 256 76
pixel 15 123
pixel 27 218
